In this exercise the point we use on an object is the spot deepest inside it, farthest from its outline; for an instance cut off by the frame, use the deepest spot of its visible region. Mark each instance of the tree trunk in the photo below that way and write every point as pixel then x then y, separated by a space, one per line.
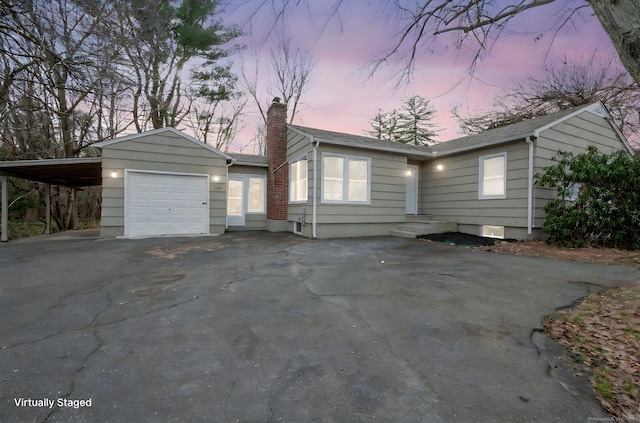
pixel 621 20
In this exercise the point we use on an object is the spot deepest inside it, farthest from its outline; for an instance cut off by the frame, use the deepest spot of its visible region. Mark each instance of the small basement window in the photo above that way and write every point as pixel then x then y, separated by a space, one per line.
pixel 492 231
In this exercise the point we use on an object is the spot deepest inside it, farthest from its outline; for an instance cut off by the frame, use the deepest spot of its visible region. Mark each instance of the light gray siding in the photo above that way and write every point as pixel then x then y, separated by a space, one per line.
pixel 452 193
pixel 385 210
pixel 573 135
pixel 165 152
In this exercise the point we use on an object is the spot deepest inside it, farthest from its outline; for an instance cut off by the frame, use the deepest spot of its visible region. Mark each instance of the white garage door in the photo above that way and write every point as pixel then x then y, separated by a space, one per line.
pixel 166 204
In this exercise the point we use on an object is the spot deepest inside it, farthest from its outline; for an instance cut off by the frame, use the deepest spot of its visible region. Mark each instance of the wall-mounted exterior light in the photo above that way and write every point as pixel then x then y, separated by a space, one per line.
pixel 215 178
pixel 114 173
pixel 439 167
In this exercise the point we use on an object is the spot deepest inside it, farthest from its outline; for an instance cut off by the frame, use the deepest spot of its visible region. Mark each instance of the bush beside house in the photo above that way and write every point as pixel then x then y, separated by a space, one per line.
pixel 597 202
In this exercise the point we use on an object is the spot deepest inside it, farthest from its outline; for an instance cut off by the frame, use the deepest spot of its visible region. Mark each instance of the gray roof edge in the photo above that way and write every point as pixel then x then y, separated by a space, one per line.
pixel 252 164
pixel 363 146
pixel 130 137
pixel 486 144
pixel 44 162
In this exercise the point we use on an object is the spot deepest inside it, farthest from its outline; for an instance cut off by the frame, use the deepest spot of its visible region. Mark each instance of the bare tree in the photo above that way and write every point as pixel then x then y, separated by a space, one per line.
pixel 419 23
pixel 292 70
pixel 559 87
pixel 289 76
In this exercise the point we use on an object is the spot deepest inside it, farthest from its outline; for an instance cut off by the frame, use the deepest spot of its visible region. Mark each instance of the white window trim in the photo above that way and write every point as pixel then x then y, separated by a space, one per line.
pixel 346 178
pixel 306 199
pixel 481 195
pixel 264 193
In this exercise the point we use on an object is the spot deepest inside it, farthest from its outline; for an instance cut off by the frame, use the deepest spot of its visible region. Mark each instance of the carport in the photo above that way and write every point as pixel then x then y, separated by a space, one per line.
pixel 74 173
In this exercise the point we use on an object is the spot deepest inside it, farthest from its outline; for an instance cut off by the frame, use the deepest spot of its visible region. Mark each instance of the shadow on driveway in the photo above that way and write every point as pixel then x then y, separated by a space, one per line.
pixel 257 327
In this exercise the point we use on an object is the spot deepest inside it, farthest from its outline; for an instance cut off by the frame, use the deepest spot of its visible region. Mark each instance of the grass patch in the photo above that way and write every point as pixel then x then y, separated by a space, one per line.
pixel 602 337
pixel 20 229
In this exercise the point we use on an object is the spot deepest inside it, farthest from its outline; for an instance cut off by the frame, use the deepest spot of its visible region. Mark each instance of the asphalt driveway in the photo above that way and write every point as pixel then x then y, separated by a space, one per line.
pixel 273 327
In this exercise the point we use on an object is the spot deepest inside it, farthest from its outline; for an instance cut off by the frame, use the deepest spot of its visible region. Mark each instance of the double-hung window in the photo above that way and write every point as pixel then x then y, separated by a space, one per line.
pixel 346 179
pixel 493 176
pixel 298 186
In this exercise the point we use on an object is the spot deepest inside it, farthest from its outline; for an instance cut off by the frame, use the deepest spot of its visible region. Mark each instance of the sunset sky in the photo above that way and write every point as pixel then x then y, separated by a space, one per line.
pixel 342 97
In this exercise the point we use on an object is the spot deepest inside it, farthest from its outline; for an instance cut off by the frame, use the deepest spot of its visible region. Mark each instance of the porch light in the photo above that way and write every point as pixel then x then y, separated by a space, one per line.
pixel 409 172
pixel 439 167
pixel 215 178
pixel 114 173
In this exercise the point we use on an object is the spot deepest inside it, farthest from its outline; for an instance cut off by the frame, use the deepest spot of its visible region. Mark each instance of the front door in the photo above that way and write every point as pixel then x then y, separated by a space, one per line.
pixel 412 189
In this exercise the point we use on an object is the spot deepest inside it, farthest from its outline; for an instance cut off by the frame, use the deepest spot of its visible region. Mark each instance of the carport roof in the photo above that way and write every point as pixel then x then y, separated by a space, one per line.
pixel 72 172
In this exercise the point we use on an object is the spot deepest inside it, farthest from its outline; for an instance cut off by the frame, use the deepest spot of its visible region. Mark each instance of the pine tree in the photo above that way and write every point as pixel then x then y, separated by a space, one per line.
pixel 414 126
pixel 411 125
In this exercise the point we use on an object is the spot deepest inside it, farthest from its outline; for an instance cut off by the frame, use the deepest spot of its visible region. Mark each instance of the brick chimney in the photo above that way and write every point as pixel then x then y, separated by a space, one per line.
pixel 278 173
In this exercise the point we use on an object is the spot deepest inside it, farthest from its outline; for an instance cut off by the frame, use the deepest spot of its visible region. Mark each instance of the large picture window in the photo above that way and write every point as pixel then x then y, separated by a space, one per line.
pixel 493 176
pixel 298 188
pixel 345 179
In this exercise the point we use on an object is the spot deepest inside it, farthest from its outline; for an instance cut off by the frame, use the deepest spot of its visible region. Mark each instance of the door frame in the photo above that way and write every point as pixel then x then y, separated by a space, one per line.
pixel 412 173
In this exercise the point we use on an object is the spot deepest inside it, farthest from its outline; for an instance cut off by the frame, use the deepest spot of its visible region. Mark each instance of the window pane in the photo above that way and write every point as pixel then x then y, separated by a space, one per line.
pixel 256 195
pixel 234 198
pixel 299 180
pixel 334 167
pixel 333 178
pixel 358 173
pixel 493 176
pixel 357 191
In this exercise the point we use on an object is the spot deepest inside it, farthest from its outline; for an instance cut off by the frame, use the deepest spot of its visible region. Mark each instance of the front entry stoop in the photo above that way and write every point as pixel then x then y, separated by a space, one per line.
pixel 423 225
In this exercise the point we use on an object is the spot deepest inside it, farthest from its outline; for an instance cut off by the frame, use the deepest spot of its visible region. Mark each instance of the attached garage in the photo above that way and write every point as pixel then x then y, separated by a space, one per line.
pixel 162 182
pixel 165 203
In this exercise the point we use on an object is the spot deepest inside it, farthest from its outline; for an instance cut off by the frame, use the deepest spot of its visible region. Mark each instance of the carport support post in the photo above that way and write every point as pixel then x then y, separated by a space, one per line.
pixel 5 210
pixel 47 200
pixel 74 207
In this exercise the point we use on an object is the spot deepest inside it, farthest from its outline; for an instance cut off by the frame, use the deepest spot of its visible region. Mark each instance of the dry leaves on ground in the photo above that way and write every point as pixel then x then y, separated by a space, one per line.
pixel 603 336
pixel 589 255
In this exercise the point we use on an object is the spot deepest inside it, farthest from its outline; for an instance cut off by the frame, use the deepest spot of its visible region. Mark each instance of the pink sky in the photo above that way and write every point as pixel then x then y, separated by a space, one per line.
pixel 342 98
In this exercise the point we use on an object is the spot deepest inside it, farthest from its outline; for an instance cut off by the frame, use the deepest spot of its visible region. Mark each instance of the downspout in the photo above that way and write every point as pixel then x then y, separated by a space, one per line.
pixel 226 194
pixel 316 144
pixel 530 188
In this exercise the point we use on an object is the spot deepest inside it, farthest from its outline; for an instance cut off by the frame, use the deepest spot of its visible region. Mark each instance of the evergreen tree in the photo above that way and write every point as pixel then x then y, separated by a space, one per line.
pixel 411 125
pixel 414 126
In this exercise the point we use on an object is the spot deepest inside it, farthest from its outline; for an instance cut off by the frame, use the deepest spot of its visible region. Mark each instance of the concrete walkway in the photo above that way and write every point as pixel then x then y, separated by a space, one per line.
pixel 272 327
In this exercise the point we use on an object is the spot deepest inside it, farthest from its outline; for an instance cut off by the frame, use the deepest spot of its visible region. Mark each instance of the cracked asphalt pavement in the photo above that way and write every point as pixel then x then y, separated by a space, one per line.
pixel 259 327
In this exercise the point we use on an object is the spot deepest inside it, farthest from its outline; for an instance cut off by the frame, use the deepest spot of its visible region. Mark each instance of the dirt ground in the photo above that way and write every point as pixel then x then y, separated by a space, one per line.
pixel 601 333
pixel 589 255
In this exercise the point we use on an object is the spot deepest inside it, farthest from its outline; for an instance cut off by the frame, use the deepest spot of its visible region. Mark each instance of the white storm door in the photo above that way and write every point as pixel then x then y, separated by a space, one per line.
pixel 159 203
pixel 235 201
pixel 412 189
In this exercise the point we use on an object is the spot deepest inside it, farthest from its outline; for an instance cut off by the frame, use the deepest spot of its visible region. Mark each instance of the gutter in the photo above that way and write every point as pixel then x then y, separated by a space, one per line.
pixel 530 187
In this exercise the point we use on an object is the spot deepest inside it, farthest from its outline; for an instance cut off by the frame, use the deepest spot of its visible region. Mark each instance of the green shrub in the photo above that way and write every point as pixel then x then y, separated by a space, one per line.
pixel 597 200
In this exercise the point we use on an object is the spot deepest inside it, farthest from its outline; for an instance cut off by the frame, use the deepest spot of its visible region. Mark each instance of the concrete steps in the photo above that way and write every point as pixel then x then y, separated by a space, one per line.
pixel 422 225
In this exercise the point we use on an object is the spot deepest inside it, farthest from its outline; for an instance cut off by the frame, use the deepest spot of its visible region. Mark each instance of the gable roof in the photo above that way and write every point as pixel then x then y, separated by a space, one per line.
pixel 158 132
pixel 359 141
pixel 513 132
pixel 520 130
